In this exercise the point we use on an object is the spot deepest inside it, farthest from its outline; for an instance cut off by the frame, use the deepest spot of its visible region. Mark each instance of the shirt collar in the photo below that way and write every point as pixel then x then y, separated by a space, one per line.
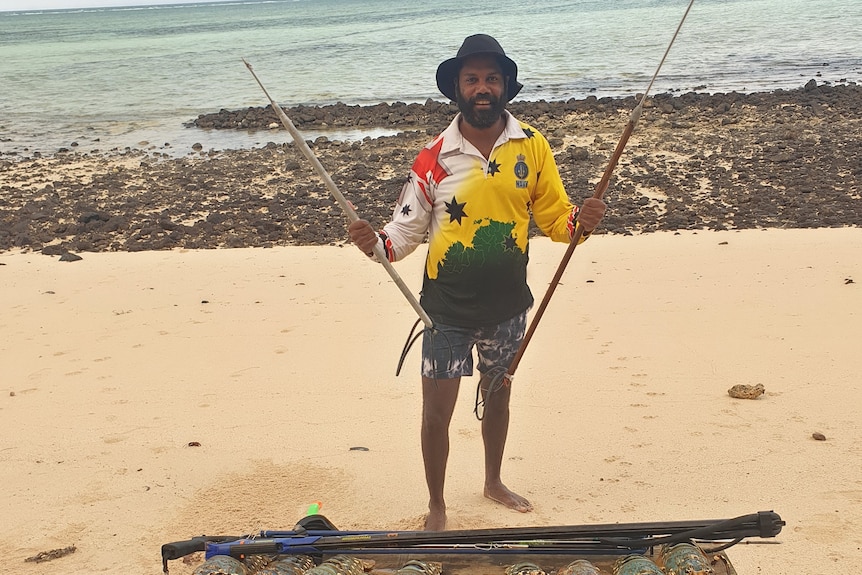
pixel 453 140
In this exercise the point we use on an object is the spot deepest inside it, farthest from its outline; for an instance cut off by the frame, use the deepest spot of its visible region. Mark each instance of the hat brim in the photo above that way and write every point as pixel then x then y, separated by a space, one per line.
pixel 447 73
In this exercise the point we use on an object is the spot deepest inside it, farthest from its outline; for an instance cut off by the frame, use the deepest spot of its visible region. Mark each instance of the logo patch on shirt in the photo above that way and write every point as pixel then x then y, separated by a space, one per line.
pixel 521 172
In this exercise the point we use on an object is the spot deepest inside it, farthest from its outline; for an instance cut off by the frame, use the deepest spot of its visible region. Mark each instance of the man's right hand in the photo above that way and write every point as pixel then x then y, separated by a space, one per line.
pixel 363 235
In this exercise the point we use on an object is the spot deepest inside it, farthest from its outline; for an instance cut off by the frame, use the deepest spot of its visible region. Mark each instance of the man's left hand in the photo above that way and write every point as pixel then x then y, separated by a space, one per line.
pixel 592 212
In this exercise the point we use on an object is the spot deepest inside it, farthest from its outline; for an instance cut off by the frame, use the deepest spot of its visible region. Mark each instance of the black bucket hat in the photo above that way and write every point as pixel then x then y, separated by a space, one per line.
pixel 474 45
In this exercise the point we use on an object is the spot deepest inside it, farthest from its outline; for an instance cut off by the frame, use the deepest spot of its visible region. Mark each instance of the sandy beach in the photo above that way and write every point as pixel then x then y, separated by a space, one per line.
pixel 278 362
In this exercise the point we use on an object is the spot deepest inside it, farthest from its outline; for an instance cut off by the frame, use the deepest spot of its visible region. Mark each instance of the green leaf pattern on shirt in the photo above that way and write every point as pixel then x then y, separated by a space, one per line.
pixel 492 244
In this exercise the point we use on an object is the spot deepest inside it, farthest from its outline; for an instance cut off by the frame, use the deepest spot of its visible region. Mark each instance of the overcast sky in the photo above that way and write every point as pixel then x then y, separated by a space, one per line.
pixel 60 4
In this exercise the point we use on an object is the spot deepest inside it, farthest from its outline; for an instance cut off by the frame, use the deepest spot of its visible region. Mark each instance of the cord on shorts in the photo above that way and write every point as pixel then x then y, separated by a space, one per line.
pixel 411 339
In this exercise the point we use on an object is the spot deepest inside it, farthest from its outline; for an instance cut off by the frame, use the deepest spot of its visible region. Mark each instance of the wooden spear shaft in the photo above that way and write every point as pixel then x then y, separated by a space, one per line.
pixel 601 187
pixel 339 197
pixel 600 190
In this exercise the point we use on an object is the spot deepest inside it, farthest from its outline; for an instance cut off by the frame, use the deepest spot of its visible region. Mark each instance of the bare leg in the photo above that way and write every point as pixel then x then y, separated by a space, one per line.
pixel 495 428
pixel 438 404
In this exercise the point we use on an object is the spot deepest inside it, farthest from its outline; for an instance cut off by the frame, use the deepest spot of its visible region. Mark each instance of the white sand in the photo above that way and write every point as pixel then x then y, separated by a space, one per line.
pixel 112 365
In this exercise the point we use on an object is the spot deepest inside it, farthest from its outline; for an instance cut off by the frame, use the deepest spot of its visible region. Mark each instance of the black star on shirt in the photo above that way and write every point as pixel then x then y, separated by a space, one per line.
pixel 455 210
pixel 405 211
pixel 510 244
pixel 493 167
pixel 530 133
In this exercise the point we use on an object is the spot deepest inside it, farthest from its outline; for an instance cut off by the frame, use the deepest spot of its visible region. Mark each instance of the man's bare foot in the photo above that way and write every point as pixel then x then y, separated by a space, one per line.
pixel 435 520
pixel 504 496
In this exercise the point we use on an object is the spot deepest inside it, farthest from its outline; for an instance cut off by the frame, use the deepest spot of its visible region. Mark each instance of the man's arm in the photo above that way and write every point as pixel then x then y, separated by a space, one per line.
pixel 401 236
pixel 552 211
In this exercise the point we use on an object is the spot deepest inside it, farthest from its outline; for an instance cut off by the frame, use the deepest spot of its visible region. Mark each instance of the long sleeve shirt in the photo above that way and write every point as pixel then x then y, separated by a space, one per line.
pixel 475 213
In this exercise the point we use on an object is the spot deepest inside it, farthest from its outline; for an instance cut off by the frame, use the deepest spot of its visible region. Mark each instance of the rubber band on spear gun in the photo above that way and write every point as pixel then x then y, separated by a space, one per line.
pixel 411 339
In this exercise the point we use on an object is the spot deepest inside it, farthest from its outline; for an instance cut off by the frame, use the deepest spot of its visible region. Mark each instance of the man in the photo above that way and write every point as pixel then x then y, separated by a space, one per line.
pixel 471 192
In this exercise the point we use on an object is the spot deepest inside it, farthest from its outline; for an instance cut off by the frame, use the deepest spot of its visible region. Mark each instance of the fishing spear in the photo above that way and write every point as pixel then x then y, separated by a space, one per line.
pixel 600 189
pixel 602 539
pixel 339 197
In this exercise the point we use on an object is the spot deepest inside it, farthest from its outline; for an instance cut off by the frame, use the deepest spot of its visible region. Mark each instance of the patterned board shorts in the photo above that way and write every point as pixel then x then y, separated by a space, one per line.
pixel 447 354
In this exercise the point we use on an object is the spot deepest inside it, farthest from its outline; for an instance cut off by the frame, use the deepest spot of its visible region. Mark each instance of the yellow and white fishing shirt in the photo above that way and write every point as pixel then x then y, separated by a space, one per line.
pixel 475 213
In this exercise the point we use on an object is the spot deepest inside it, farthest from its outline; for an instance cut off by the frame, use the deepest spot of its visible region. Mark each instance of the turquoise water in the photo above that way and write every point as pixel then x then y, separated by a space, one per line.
pixel 126 75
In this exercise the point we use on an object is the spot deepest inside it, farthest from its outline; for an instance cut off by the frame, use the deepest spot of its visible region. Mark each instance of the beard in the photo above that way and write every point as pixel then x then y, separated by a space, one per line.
pixel 485 117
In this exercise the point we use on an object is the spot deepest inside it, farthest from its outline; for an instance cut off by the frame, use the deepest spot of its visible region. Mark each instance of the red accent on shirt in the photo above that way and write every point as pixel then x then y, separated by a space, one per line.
pixel 428 168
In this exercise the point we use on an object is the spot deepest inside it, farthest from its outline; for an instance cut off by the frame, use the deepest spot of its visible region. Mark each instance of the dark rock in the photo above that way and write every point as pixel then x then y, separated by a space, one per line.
pixel 70 257
pixel 789 158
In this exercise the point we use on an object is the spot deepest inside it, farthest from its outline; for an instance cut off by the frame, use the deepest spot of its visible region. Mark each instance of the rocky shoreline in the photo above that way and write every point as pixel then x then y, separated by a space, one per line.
pixel 786 159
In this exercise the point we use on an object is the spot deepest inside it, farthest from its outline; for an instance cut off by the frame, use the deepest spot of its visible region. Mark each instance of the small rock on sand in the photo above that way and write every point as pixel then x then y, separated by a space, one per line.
pixel 745 391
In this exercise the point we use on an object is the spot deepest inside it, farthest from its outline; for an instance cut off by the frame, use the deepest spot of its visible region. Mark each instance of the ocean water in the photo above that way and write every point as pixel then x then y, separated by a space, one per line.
pixel 116 77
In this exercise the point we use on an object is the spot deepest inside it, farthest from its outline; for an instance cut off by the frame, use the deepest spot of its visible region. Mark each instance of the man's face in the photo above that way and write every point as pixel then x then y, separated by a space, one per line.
pixel 480 89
